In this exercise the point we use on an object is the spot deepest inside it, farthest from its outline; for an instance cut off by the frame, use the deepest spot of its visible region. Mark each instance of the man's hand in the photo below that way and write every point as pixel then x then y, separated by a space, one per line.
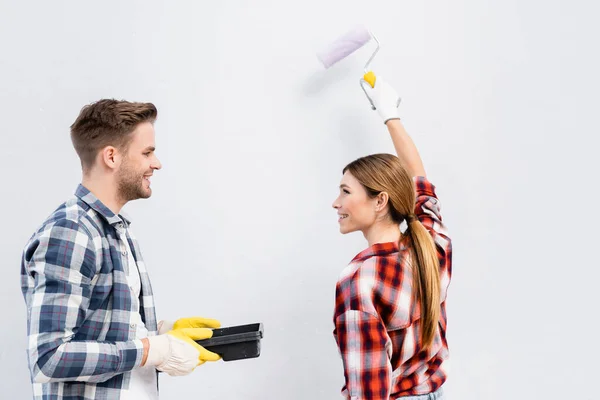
pixel 177 353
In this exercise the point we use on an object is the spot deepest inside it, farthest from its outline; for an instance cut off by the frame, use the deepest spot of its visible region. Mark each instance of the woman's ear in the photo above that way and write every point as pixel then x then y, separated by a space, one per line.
pixel 381 201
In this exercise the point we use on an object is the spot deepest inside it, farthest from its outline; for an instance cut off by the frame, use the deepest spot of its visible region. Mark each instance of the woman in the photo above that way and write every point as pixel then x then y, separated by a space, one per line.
pixel 390 319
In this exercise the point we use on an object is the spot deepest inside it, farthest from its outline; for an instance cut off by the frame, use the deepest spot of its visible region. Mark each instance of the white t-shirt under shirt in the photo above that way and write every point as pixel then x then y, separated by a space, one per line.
pixel 143 379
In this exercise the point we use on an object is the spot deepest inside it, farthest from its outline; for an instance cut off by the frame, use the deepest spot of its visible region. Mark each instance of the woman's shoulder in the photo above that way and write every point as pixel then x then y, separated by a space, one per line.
pixel 376 271
pixel 374 284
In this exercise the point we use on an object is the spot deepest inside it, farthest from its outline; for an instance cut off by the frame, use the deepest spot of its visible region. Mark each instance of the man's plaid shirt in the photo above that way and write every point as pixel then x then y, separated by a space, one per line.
pixel 377 325
pixel 81 315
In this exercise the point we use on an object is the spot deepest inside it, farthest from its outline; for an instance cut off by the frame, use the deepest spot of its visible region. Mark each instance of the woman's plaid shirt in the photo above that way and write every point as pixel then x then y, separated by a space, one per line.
pixel 377 324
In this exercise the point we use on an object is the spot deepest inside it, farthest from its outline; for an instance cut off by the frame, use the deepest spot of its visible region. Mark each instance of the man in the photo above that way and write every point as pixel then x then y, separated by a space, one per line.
pixel 91 322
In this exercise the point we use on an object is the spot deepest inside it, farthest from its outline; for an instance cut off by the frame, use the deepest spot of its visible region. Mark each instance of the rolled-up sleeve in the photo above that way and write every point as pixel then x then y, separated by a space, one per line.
pixel 428 211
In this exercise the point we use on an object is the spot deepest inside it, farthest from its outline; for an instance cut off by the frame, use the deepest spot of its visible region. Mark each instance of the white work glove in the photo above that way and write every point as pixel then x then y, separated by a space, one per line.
pixel 176 352
pixel 383 98
pixel 164 326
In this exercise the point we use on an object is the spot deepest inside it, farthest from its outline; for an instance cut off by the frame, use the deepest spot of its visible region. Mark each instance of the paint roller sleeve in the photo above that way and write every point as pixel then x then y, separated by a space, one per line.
pixel 344 46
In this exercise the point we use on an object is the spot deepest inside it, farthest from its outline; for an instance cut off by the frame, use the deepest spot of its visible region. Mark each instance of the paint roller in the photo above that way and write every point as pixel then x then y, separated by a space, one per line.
pixel 347 44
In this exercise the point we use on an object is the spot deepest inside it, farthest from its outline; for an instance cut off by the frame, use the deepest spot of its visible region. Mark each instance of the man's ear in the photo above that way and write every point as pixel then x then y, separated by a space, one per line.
pixel 110 157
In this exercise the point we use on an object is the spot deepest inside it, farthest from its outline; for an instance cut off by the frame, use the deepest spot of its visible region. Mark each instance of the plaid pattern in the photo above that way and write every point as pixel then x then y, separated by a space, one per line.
pixel 377 325
pixel 81 314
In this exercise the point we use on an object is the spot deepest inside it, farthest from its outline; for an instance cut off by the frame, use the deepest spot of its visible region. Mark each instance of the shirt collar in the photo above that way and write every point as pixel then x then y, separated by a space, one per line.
pixel 117 221
pixel 378 249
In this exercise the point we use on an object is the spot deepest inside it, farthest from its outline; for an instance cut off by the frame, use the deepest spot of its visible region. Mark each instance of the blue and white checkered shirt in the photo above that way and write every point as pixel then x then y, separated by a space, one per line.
pixel 81 314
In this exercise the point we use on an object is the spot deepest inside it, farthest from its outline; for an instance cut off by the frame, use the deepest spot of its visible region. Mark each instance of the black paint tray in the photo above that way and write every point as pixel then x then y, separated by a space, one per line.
pixel 235 342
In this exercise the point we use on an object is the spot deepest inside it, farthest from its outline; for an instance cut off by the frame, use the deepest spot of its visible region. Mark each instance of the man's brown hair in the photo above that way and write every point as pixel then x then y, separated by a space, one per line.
pixel 107 122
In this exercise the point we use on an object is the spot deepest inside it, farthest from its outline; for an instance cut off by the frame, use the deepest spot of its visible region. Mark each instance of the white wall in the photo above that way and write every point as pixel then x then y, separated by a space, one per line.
pixel 500 97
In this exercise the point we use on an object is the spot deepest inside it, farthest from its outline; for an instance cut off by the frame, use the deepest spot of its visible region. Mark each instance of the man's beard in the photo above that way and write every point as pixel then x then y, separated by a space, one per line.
pixel 130 184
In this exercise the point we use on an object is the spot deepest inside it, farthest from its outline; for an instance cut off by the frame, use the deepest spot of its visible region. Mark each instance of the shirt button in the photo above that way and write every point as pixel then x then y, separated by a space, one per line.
pixel 132 325
pixel 124 252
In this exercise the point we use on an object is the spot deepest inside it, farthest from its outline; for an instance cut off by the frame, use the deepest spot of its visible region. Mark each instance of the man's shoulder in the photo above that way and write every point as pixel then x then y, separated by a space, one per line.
pixel 73 214
pixel 68 238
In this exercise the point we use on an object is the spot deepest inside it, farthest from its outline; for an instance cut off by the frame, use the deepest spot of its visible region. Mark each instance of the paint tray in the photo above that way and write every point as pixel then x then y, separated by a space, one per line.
pixel 235 342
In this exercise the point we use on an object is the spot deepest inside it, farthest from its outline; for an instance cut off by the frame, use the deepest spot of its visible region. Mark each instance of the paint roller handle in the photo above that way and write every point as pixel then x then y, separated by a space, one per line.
pixel 381 95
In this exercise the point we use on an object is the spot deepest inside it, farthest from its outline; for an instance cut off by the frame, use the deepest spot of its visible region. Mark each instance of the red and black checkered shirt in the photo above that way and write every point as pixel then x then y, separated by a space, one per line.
pixel 377 324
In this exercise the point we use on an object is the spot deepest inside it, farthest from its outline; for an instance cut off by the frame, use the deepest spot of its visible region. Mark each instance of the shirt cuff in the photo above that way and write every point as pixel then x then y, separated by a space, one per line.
pixel 131 354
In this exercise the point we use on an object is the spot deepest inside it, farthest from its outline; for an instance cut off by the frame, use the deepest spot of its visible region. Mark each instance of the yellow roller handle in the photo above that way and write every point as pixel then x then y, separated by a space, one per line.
pixel 370 78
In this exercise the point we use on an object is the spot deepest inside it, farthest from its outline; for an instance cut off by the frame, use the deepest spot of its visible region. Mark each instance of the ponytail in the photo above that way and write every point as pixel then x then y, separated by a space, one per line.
pixel 386 173
pixel 426 278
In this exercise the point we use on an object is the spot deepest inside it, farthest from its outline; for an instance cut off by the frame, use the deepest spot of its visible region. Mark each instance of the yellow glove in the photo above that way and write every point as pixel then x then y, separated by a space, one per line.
pixel 196 322
pixel 189 335
pixel 192 322
pixel 177 353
